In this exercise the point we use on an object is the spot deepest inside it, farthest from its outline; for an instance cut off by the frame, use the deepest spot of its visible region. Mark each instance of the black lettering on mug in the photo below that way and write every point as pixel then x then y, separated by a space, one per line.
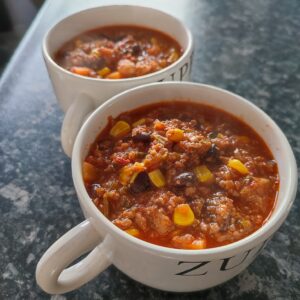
pixel 227 260
pixel 198 266
pixel 183 70
pixel 173 76
pixel 261 247
pixel 225 264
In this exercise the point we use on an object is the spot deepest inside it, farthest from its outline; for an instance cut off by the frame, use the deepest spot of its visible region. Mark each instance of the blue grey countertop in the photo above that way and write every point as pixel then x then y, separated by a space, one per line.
pixel 249 47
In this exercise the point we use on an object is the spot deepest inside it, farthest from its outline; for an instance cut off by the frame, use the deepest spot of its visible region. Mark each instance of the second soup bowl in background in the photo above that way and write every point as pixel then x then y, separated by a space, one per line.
pixel 77 95
pixel 163 268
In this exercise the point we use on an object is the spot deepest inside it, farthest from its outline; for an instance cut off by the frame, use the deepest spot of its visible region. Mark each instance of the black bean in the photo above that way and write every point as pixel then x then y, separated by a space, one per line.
pixel 212 153
pixel 140 184
pixel 136 50
pixel 94 188
pixel 144 137
pixel 118 38
pixel 247 180
pixel 213 134
pixel 185 179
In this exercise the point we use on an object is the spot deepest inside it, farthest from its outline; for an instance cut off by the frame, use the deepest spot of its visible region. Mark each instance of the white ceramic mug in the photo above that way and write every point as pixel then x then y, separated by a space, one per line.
pixel 156 266
pixel 77 95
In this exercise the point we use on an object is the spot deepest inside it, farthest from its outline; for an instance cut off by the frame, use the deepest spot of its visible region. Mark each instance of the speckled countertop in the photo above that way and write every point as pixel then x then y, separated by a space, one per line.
pixel 249 47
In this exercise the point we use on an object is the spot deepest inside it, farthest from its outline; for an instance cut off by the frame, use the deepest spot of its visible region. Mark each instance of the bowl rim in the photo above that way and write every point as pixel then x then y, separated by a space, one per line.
pixel 265 231
pixel 158 73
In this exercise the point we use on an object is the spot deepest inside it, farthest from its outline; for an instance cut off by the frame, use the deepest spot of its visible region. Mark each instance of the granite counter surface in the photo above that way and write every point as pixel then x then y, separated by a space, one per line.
pixel 248 47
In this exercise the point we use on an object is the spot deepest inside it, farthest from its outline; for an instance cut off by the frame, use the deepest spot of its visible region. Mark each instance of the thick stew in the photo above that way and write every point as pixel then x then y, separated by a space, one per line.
pixel 117 52
pixel 182 175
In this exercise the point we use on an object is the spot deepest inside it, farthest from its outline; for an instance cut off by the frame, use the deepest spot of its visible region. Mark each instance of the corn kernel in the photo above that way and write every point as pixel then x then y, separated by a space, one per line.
pixel 134 232
pixel 139 122
pixel 137 168
pixel 238 166
pixel 128 173
pixel 125 174
pixel 220 135
pixel 245 223
pixel 183 215
pixel 121 128
pixel 203 174
pixel 175 135
pixel 103 72
pixel 173 56
pixel 157 178
pixel 133 177
pixel 114 75
pixel 89 172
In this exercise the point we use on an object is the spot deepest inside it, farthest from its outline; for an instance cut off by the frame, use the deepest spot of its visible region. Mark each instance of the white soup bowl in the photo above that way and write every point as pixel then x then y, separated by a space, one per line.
pixel 78 95
pixel 156 266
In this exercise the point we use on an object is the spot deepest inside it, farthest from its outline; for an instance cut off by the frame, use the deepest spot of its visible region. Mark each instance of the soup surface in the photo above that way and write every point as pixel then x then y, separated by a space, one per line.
pixel 182 175
pixel 117 52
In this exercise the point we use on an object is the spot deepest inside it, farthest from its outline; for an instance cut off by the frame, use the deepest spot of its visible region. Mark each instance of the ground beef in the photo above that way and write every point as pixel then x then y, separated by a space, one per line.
pixel 255 192
pixel 159 221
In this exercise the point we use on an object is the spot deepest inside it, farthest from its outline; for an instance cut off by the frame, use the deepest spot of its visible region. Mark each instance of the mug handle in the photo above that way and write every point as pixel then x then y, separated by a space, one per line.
pixel 52 274
pixel 76 114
